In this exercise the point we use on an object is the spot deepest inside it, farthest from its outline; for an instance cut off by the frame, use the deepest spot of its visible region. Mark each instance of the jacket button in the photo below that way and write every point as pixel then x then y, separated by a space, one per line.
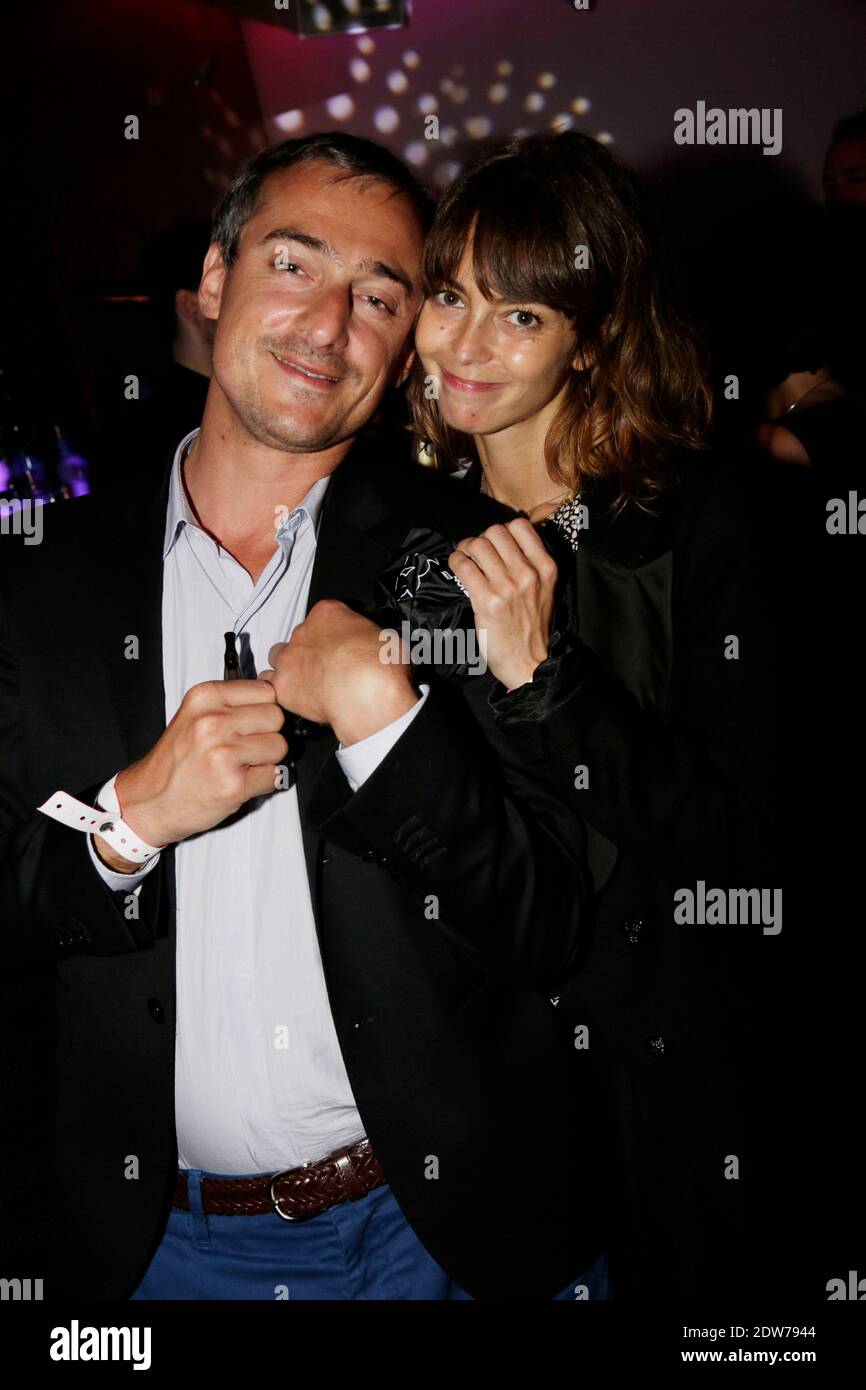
pixel 658 1046
pixel 156 1011
pixel 372 856
pixel 634 930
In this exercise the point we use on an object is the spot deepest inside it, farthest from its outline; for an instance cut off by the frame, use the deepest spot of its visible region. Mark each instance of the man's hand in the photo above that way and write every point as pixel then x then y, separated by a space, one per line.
pixel 331 672
pixel 511 580
pixel 220 749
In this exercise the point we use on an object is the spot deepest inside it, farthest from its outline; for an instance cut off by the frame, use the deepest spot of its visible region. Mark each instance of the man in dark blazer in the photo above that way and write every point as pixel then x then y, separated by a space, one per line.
pixel 437 897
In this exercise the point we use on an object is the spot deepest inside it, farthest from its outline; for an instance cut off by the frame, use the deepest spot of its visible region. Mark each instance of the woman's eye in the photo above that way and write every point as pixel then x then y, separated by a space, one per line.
pixel 447 298
pixel 523 318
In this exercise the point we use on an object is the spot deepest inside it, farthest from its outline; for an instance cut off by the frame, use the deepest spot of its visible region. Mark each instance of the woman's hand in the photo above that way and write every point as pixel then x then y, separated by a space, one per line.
pixel 511 579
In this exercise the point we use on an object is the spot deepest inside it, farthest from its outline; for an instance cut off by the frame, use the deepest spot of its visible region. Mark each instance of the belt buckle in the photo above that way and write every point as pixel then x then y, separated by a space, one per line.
pixel 287 1215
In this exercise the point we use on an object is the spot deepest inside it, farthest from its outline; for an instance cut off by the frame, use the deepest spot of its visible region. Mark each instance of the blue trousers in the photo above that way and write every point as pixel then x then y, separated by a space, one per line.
pixel 364 1250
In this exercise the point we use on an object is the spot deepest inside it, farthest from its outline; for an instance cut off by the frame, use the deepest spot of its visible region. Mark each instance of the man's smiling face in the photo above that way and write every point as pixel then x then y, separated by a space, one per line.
pixel 315 314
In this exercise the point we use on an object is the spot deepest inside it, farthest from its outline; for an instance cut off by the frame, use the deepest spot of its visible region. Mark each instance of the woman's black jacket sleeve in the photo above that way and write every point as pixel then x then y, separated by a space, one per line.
pixel 685 787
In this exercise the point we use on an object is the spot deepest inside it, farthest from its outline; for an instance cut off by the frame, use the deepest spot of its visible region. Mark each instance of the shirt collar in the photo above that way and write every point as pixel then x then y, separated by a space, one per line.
pixel 179 513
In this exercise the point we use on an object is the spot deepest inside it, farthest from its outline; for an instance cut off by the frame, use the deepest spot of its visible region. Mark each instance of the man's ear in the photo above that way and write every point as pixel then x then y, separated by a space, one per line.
pixel 210 291
pixel 406 368
pixel 186 306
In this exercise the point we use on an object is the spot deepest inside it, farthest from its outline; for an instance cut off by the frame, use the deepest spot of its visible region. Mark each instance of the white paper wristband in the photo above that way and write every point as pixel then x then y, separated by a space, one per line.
pixel 77 816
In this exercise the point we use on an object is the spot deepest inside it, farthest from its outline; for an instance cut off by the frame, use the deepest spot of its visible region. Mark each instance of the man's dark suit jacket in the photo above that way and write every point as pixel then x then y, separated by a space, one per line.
pixel 452 1044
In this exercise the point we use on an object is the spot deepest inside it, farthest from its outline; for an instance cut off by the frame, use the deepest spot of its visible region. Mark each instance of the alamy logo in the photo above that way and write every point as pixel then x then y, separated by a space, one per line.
pixel 21 1290
pixel 846 517
pixel 441 647
pixel 76 1343
pixel 736 907
pixel 21 517
pixel 854 1289
pixel 737 126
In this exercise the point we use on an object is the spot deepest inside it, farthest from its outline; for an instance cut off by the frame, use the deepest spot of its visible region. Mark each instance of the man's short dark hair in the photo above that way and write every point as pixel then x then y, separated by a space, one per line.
pixel 353 158
pixel 850 127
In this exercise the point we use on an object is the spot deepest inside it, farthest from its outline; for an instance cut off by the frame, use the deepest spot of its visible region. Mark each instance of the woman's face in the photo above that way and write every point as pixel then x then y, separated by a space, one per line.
pixel 496 362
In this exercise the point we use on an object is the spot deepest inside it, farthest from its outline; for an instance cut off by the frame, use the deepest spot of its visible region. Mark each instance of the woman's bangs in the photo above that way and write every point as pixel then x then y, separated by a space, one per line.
pixel 515 256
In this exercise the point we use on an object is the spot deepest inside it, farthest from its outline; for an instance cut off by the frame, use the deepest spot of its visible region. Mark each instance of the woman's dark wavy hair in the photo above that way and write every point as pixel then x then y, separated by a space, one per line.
pixel 525 206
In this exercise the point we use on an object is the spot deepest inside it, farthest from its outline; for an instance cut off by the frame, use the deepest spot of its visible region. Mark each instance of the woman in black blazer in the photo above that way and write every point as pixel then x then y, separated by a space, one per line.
pixel 633 656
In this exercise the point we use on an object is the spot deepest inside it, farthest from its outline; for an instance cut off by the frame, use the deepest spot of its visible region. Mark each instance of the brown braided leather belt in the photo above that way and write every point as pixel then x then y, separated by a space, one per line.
pixel 295 1194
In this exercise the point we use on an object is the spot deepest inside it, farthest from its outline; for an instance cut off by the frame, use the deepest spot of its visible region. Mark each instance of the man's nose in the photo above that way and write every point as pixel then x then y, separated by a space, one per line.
pixel 325 318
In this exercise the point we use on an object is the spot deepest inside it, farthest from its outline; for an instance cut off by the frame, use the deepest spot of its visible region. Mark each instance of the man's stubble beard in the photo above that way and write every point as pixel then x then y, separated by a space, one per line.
pixel 277 430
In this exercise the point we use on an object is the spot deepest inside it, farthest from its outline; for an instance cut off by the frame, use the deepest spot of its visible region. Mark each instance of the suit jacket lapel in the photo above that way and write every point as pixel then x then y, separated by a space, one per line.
pixel 358 534
pixel 130 615
pixel 130 628
pixel 623 584
pixel 627 538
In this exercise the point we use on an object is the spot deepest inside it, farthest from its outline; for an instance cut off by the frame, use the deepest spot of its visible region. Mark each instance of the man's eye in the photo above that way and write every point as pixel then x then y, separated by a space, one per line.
pixel 280 263
pixel 378 304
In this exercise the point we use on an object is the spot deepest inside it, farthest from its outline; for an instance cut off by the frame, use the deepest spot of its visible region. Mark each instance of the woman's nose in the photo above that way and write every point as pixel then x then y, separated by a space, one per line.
pixel 470 345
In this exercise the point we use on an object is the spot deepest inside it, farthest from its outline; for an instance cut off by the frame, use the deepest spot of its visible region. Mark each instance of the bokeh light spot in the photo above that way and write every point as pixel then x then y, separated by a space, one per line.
pixel 386 120
pixel 444 174
pixel 479 127
pixel 289 121
pixel 340 107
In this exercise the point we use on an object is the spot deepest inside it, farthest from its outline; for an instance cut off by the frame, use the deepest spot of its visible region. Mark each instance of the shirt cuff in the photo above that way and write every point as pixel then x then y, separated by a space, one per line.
pixel 361 760
pixel 117 882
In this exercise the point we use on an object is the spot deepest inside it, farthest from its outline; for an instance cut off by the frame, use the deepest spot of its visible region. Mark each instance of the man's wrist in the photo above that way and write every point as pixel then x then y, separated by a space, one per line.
pixel 138 812
pixel 111 859
pixel 378 698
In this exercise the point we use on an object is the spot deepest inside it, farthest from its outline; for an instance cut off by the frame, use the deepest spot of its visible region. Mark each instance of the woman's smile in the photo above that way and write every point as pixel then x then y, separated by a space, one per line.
pixel 459 383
